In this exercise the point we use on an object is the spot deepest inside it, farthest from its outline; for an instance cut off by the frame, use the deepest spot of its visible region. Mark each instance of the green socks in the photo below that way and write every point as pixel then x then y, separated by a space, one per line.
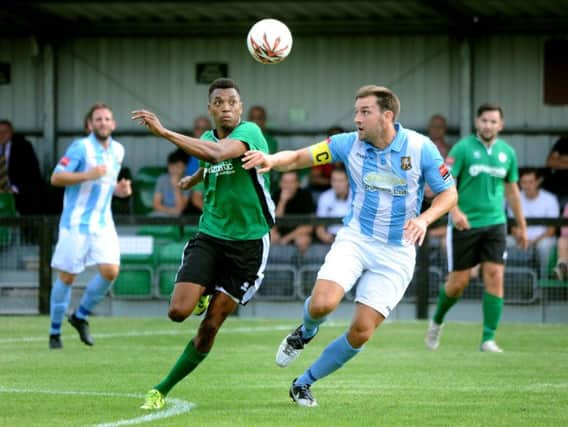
pixel 492 309
pixel 186 363
pixel 444 304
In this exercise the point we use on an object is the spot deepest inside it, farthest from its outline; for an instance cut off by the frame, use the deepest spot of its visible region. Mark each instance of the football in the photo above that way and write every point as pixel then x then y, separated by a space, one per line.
pixel 269 41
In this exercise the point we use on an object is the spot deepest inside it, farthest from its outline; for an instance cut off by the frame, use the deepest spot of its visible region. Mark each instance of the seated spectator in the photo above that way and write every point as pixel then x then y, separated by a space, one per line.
pixel 320 176
pixel 561 269
pixel 557 162
pixel 536 203
pixel 291 199
pixel 334 202
pixel 169 199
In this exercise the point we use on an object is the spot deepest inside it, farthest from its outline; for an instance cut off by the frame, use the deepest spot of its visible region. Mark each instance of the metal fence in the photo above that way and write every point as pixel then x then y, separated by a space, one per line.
pixel 151 251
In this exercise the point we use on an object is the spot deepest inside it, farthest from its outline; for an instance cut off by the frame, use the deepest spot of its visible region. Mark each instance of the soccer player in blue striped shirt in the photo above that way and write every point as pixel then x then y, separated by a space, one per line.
pixel 387 166
pixel 87 236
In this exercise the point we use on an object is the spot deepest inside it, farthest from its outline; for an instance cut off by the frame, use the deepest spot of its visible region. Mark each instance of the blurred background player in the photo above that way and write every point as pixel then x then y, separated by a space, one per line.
pixel 87 235
pixel 485 168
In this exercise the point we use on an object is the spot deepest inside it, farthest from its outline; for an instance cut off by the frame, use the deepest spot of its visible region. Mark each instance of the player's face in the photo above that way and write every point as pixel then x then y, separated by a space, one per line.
pixel 102 123
pixel 225 107
pixel 529 184
pixel 488 125
pixel 370 121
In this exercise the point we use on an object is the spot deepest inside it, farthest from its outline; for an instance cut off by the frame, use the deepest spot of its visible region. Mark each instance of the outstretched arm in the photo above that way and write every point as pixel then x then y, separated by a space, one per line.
pixel 282 161
pixel 204 150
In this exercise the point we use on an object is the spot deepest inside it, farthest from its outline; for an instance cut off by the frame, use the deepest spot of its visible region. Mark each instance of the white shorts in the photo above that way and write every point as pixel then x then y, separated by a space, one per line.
pixel 384 271
pixel 75 251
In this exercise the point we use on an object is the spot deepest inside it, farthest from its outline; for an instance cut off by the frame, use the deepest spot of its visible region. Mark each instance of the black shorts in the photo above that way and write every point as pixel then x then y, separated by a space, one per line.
pixel 235 267
pixel 468 248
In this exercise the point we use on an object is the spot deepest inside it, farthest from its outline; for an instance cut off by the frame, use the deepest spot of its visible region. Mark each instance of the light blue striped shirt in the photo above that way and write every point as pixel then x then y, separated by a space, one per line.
pixel 387 186
pixel 86 206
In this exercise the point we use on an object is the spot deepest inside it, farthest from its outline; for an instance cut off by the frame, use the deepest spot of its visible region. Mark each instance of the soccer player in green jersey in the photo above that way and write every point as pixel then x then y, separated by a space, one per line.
pixel 228 256
pixel 485 168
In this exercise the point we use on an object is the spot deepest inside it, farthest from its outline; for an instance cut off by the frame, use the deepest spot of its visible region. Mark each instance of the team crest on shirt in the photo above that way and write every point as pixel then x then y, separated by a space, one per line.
pixel 405 163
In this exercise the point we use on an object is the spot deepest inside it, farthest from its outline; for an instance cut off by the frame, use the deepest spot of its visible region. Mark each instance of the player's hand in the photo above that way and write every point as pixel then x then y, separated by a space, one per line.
pixel 522 239
pixel 96 172
pixel 185 183
pixel 459 219
pixel 415 231
pixel 150 120
pixel 123 188
pixel 253 158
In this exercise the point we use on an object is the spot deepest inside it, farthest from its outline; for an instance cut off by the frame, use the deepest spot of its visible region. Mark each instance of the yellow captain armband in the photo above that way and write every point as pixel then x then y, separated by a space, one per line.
pixel 320 153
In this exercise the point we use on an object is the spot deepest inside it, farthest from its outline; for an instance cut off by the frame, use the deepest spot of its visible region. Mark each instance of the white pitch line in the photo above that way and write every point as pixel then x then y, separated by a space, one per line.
pixel 174 406
pixel 237 330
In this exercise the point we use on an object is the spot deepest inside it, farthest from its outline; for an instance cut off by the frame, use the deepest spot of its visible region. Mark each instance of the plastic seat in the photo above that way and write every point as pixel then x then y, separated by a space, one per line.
pixel 169 259
pixel 7 209
pixel 137 259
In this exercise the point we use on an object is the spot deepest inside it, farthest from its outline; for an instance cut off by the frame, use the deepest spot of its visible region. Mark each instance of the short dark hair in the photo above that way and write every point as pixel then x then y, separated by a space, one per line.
pixel 386 99
pixel 488 106
pixel 7 123
pixel 528 171
pixel 177 156
pixel 223 83
pixel 95 107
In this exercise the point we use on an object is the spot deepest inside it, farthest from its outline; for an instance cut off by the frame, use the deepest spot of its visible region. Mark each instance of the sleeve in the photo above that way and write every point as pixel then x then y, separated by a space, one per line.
pixel 513 172
pixel 436 173
pixel 251 135
pixel 73 159
pixel 333 149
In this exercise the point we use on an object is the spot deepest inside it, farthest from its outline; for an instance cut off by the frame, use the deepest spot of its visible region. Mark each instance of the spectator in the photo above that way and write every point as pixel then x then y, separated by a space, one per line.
pixel 257 114
pixel 320 175
pixel 291 199
pixel 557 162
pixel 536 203
pixel 561 269
pixel 437 129
pixel 169 199
pixel 19 171
pixel 334 202
pixel 200 125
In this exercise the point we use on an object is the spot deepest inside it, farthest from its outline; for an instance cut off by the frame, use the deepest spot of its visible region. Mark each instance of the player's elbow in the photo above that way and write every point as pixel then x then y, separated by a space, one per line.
pixel 56 180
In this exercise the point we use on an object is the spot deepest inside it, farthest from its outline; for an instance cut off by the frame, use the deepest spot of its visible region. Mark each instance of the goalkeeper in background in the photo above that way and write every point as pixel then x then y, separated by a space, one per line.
pixel 485 168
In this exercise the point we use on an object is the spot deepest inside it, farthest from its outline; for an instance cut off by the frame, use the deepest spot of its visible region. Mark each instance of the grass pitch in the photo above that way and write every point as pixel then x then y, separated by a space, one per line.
pixel 394 381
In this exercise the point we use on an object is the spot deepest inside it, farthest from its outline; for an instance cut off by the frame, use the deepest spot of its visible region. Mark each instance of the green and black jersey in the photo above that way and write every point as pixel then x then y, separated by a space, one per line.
pixel 481 173
pixel 236 202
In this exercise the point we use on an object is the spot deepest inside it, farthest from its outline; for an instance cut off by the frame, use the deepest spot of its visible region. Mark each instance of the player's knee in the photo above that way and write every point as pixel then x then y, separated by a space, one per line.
pixel 321 307
pixel 357 337
pixel 177 313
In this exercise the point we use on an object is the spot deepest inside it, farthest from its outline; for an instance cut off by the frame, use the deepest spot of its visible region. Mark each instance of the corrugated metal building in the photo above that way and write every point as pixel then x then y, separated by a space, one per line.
pixel 438 56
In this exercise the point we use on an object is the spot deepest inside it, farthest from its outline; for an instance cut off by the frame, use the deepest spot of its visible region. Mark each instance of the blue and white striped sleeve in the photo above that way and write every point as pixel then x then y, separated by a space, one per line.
pixel 435 172
pixel 73 159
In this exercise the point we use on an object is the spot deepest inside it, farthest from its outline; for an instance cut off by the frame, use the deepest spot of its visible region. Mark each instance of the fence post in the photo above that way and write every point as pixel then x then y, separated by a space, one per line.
pixel 45 245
